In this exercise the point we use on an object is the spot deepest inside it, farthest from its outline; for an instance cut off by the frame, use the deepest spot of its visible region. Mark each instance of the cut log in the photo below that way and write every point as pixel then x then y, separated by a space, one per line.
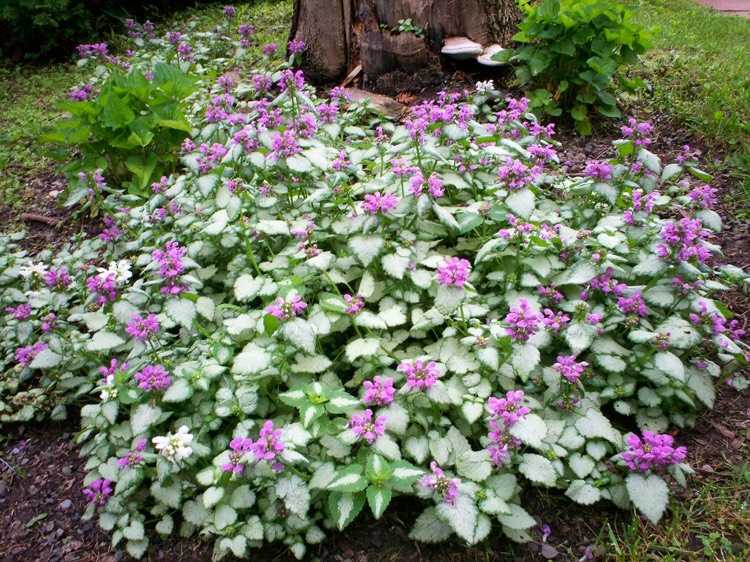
pixel 341 34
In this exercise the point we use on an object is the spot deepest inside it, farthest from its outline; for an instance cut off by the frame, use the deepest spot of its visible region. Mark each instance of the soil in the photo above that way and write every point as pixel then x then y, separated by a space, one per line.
pixel 40 471
pixel 46 222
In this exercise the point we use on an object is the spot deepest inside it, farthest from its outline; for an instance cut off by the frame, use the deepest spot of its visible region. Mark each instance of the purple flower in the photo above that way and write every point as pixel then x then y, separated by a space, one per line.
pixel 286 309
pixel 98 491
pixel 502 443
pixel 634 304
pixel 639 132
pixel 240 448
pixel 92 50
pixel 103 287
pixel 81 94
pixel 354 303
pixel 25 355
pixel 142 328
pixel 341 162
pixel 555 321
pixel 269 445
pixel 569 368
pixel 269 49
pixel 19 312
pixel 381 203
pixel 523 320
pixel 606 284
pixel 296 46
pixel 57 277
pixel 510 408
pixel 446 488
pixel 111 231
pixel 246 30
pixel 292 78
pixel 284 144
pixel 153 377
pixel 48 322
pixel 704 195
pixel 230 11
pixel 652 451
pixel 420 375
pixel 134 457
pixel 184 51
pixel 453 272
pixel 517 175
pixel 210 156
pixel 114 367
pixel 363 426
pixel 174 37
pixel 598 170
pixel 378 392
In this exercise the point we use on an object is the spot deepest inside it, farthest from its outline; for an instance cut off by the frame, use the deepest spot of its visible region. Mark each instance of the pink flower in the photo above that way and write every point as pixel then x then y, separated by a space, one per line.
pixel 269 49
pixel 240 448
pixel 453 272
pixel 296 46
pixel 25 355
pixel 502 443
pixel 103 288
pixel 134 457
pixel 378 392
pixel 420 375
pixel 19 312
pixel 517 175
pixel 354 303
pixel 524 321
pixel 569 368
pixel 269 445
pixel 98 491
pixel 446 488
pixel 634 304
pixel 598 170
pixel 365 428
pixel 153 377
pixel 142 328
pixel 510 408
pixel 555 321
pixel 653 451
pixel 57 277
pixel 382 203
pixel 286 309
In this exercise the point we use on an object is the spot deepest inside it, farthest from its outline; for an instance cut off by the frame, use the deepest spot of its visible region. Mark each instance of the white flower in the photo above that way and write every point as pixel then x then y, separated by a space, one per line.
pixel 27 271
pixel 175 447
pixel 109 392
pixel 484 87
pixel 120 269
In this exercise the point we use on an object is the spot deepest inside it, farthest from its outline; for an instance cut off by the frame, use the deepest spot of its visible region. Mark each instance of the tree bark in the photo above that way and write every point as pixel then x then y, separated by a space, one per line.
pixel 341 34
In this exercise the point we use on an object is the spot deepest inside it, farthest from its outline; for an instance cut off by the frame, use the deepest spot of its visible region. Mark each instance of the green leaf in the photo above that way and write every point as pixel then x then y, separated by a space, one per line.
pixel 521 202
pixel 582 492
pixel 349 479
pixel 225 515
pixel 181 311
pixel 344 508
pixel 103 341
pixel 179 391
pixel 649 494
pixel 538 469
pixel 517 519
pixel 474 465
pixel 45 359
pixel 378 498
pixel 430 528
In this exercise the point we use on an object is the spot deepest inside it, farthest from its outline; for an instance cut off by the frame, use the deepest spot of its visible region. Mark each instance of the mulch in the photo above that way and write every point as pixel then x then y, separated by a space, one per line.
pixel 41 472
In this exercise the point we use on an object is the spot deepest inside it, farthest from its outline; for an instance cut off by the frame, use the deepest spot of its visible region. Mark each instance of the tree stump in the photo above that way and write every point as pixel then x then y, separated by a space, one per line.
pixel 341 34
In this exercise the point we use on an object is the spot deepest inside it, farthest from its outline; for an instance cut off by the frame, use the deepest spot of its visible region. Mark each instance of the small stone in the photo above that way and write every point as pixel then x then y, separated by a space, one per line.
pixel 67 470
pixel 548 551
pixel 66 504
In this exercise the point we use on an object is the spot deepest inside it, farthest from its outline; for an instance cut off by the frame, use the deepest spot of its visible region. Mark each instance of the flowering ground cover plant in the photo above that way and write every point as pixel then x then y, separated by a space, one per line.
pixel 325 309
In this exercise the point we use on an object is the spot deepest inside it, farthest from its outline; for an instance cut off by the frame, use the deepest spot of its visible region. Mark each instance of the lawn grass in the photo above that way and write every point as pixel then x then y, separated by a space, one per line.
pixel 698 73
pixel 713 523
pixel 29 94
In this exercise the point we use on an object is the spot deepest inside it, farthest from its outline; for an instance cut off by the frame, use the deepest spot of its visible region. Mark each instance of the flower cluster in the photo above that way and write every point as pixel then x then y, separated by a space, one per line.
pixel 420 375
pixel 365 427
pixel 453 272
pixel 153 377
pixel 652 451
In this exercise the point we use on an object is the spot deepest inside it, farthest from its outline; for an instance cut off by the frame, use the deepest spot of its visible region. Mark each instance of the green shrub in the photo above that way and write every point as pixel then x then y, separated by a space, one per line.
pixel 131 131
pixel 571 51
